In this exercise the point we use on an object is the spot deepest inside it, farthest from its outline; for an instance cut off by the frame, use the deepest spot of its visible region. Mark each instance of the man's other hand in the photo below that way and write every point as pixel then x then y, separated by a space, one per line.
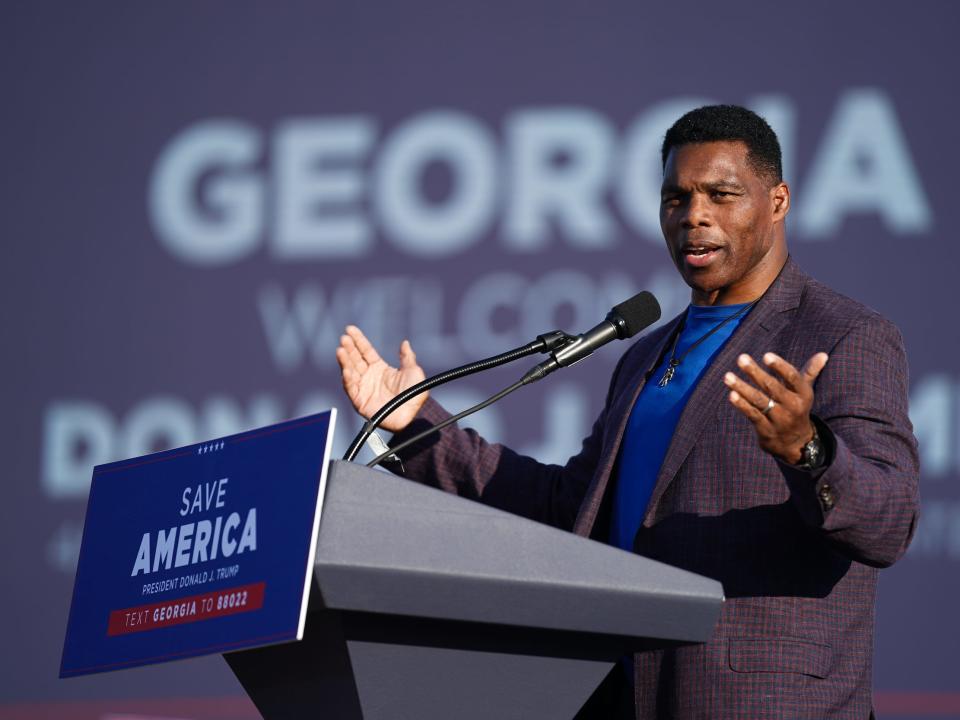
pixel 370 382
pixel 779 408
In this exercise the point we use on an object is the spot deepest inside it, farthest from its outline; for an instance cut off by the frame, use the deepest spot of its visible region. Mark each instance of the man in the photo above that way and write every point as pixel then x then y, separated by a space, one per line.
pixel 761 438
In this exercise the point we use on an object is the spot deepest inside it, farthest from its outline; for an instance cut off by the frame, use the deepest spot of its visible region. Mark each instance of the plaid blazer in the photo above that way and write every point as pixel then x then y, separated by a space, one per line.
pixel 797 553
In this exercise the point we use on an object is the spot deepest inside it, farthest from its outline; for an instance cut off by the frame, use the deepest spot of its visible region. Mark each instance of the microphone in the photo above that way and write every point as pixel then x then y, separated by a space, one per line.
pixel 623 321
pixel 548 342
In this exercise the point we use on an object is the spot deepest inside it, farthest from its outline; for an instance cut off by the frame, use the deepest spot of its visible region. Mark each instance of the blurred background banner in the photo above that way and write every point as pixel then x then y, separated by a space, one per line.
pixel 197 197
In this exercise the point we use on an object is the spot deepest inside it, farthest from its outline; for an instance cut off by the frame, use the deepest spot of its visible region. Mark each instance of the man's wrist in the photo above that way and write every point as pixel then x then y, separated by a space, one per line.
pixel 813 455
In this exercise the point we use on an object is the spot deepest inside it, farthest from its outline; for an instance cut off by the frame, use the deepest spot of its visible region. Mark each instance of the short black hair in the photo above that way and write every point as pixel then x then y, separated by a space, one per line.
pixel 713 123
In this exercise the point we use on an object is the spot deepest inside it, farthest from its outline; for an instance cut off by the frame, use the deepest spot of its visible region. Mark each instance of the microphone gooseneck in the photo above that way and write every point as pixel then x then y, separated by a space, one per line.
pixel 623 321
pixel 544 343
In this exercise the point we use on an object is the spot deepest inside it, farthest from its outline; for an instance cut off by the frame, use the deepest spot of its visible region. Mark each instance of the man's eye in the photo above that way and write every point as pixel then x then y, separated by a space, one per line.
pixel 670 201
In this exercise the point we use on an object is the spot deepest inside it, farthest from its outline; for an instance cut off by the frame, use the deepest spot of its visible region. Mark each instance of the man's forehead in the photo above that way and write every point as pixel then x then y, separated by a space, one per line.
pixel 713 161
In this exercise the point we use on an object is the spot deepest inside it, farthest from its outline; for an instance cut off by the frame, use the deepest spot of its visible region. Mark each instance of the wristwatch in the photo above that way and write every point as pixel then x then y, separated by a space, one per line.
pixel 812 455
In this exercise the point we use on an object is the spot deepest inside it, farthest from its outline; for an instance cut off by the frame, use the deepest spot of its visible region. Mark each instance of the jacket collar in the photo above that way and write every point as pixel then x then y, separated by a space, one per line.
pixel 769 315
pixel 753 336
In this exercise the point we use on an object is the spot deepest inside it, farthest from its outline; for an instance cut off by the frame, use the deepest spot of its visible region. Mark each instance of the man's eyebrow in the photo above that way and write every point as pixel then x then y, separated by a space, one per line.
pixel 724 184
pixel 728 184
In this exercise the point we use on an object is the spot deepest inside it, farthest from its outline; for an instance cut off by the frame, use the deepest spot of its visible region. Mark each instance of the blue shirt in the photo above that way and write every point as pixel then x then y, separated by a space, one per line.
pixel 655 415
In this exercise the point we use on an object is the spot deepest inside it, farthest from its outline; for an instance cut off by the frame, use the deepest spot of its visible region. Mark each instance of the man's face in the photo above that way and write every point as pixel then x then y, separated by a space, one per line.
pixel 722 222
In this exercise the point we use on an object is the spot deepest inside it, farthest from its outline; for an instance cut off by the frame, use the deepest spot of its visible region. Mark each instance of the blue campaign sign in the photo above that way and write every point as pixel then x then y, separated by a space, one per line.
pixel 199 550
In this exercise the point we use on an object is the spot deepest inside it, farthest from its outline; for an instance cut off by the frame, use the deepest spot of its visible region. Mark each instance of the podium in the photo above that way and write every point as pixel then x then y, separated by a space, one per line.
pixel 427 605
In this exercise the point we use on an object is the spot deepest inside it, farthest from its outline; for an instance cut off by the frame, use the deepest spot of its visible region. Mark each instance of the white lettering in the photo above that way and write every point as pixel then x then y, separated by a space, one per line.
pixel 142 563
pixel 467 150
pixel 201 540
pixel 164 549
pixel 215 546
pixel 933 401
pixel 186 502
pixel 863 166
pixel 227 543
pixel 562 299
pixel 307 326
pixel 319 186
pixel 435 184
pixel 157 424
pixel 183 545
pixel 485 327
pixel 231 228
pixel 76 436
pixel 938 533
pixel 641 171
pixel 248 538
pixel 559 168
pixel 221 491
pixel 566 421
pixel 781 114
pixel 206 496
pixel 220 416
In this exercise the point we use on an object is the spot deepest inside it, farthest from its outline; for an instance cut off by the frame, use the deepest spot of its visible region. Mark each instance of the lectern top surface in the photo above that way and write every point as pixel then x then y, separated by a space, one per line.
pixel 390 545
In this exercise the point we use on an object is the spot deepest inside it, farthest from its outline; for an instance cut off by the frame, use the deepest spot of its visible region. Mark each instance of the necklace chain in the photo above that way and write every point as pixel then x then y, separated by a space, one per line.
pixel 675 361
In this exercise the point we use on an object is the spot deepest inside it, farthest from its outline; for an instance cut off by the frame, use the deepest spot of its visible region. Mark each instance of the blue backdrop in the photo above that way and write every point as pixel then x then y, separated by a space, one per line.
pixel 197 198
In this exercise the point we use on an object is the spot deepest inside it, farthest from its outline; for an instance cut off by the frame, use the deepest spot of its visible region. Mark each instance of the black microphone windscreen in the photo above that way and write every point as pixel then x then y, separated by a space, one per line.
pixel 640 311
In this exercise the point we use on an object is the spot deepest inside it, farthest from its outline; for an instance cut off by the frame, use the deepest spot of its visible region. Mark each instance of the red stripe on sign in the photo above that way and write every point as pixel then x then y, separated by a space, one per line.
pixel 229 601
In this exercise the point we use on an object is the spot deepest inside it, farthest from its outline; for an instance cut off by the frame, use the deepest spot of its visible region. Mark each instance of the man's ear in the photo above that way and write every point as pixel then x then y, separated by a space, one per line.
pixel 780 197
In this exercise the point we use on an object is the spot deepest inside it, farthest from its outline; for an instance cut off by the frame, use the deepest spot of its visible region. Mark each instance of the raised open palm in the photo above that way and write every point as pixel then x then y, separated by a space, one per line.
pixel 370 382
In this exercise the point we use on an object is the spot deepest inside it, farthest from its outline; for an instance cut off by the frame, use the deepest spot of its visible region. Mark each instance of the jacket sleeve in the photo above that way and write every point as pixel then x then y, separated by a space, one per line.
pixel 460 461
pixel 866 501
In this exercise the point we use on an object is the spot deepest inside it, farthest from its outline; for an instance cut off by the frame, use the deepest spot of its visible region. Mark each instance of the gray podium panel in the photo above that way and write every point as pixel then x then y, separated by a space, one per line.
pixel 418 669
pixel 389 545
pixel 426 605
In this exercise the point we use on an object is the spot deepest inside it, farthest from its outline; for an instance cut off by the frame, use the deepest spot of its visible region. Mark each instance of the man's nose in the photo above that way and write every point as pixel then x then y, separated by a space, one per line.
pixel 697 212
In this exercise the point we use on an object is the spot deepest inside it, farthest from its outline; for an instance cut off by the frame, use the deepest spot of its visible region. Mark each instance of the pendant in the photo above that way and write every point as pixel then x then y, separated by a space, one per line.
pixel 668 375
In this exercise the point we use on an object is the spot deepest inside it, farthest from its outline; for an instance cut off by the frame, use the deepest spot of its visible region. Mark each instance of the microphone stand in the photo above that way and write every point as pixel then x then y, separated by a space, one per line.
pixel 536 373
pixel 623 321
pixel 449 421
pixel 546 343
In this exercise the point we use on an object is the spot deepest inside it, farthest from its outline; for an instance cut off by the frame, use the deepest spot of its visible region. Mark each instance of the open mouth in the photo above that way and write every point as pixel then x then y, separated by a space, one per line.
pixel 699 256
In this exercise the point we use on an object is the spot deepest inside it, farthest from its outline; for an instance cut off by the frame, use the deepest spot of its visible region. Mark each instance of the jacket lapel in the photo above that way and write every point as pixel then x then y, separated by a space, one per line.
pixel 753 336
pixel 637 378
pixel 620 408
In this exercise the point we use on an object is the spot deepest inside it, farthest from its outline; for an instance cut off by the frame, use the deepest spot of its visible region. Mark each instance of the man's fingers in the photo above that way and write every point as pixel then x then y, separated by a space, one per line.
pixel 748 409
pixel 348 376
pixel 348 372
pixel 744 390
pixel 764 380
pixel 366 349
pixel 343 359
pixel 791 376
pixel 797 380
pixel 408 358
pixel 814 365
pixel 350 354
